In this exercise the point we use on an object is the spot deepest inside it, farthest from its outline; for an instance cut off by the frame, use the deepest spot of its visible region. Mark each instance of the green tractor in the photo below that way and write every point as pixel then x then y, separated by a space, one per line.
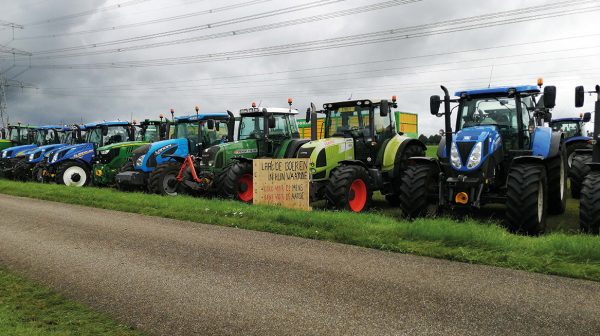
pixel 361 152
pixel 114 158
pixel 226 169
pixel 16 135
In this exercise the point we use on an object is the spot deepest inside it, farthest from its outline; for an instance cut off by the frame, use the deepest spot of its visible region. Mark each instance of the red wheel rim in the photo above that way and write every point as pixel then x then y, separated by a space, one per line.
pixel 359 190
pixel 245 181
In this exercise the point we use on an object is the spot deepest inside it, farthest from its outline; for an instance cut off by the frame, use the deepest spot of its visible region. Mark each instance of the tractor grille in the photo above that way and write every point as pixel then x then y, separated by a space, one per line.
pixel 107 158
pixel 464 149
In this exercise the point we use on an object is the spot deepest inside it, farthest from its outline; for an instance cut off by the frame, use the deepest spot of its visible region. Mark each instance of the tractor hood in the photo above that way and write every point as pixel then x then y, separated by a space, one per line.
pixel 472 146
pixel 160 152
pixel 81 152
pixel 218 155
pixel 37 154
pixel 16 151
pixel 330 150
pixel 121 145
pixel 4 144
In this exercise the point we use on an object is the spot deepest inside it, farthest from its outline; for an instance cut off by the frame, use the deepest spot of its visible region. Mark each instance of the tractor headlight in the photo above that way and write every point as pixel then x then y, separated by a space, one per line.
pixel 104 152
pixel 4 154
pixel 31 157
pixel 455 157
pixel 475 157
pixel 211 163
pixel 55 157
pixel 140 160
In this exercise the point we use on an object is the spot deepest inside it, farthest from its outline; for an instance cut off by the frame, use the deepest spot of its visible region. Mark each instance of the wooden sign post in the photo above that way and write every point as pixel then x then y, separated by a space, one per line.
pixel 283 182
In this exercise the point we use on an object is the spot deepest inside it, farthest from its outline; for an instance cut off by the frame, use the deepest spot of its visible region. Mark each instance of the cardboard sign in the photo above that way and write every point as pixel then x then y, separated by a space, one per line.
pixel 282 182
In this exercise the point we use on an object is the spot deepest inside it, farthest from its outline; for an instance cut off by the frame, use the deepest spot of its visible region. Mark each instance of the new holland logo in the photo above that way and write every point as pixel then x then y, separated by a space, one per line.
pixel 82 154
pixel 246 151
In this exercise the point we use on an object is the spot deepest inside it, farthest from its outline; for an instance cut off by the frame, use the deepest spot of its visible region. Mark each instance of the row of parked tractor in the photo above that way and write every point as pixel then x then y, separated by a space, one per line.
pixel 504 148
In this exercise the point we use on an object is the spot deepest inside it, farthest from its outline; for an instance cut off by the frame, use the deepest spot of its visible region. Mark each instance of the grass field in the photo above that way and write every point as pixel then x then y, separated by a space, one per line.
pixel 473 241
pixel 27 309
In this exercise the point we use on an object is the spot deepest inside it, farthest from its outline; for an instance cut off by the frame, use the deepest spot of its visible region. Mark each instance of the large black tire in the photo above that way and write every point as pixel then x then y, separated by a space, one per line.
pixel 400 164
pixel 163 179
pixel 37 173
pixel 418 183
pixel 557 183
pixel 72 173
pixel 572 147
pixel 527 198
pixel 349 188
pixel 579 169
pixel 236 182
pixel 589 208
pixel 21 171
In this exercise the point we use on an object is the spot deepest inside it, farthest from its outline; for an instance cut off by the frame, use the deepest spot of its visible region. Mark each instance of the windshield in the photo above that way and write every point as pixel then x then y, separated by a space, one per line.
pixel 17 136
pixel 488 111
pixel 44 137
pixel 570 128
pixel 188 130
pixel 348 121
pixel 66 137
pixel 152 133
pixel 115 134
pixel 252 127
pixel 216 136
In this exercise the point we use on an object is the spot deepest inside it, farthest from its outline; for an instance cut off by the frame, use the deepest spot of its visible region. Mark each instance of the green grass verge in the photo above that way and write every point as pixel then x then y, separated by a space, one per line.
pixel 28 309
pixel 466 241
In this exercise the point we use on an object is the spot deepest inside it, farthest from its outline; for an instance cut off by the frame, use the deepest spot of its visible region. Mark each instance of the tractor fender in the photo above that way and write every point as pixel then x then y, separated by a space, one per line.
pixel 425 160
pixel 578 139
pixel 546 143
pixel 441 150
pixel 528 159
pixel 241 159
pixel 396 146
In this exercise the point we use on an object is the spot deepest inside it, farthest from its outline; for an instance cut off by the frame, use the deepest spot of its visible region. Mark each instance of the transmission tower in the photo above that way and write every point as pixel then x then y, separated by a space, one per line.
pixel 3 112
pixel 5 82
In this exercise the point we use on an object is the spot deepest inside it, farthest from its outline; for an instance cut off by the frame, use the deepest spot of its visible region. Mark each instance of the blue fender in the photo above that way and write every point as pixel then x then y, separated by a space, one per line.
pixel 578 139
pixel 546 143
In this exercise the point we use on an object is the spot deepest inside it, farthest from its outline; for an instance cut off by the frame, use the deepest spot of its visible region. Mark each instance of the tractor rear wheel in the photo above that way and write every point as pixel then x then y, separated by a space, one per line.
pixel 557 183
pixel 74 174
pixel 579 169
pixel 589 209
pixel 400 164
pixel 163 179
pixel 349 188
pixel 572 147
pixel 236 182
pixel 527 198
pixel 418 183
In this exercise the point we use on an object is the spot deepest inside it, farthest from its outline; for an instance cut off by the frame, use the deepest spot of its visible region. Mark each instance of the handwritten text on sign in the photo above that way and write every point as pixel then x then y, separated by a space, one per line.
pixel 283 182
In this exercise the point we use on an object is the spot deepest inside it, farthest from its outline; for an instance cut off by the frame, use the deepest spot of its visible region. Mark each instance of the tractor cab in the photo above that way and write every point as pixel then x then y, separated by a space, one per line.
pixel 571 127
pixel 152 130
pixel 204 130
pixel 20 135
pixel 108 133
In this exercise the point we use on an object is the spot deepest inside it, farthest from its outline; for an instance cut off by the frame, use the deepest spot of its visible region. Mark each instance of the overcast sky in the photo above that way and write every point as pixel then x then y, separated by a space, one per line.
pixel 556 43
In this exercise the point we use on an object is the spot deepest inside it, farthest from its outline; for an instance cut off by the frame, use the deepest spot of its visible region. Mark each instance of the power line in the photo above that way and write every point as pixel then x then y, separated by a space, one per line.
pixel 148 22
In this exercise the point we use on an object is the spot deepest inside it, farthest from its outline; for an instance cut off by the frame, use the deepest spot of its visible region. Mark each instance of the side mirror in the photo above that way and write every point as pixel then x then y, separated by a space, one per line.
pixel 550 97
pixel 384 109
pixel 434 105
pixel 271 121
pixel 579 96
pixel 104 130
pixel 587 116
pixel 307 119
pixel 210 124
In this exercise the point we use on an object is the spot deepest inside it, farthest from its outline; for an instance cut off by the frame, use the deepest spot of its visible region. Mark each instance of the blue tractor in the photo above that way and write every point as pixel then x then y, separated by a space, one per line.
pixel 501 152
pixel 40 136
pixel 30 166
pixel 156 165
pixel 589 206
pixel 72 165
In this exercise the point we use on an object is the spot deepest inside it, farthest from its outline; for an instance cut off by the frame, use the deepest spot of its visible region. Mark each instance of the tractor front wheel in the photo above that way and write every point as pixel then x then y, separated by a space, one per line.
pixel 400 165
pixel 21 171
pixel 38 173
pixel 589 209
pixel 349 188
pixel 527 198
pixel 579 169
pixel 163 179
pixel 557 183
pixel 236 182
pixel 73 174
pixel 418 183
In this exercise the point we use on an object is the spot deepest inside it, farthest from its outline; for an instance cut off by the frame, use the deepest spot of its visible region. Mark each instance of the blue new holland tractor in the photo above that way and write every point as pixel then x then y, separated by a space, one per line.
pixel 156 165
pixel 502 151
pixel 589 206
pixel 30 168
pixel 72 165
pixel 40 136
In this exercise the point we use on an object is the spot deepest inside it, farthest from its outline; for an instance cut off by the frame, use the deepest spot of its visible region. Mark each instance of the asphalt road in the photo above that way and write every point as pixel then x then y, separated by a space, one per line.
pixel 177 278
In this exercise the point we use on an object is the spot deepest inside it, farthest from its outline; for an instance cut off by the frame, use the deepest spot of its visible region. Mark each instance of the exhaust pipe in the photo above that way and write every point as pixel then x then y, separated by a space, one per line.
pixel 448 121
